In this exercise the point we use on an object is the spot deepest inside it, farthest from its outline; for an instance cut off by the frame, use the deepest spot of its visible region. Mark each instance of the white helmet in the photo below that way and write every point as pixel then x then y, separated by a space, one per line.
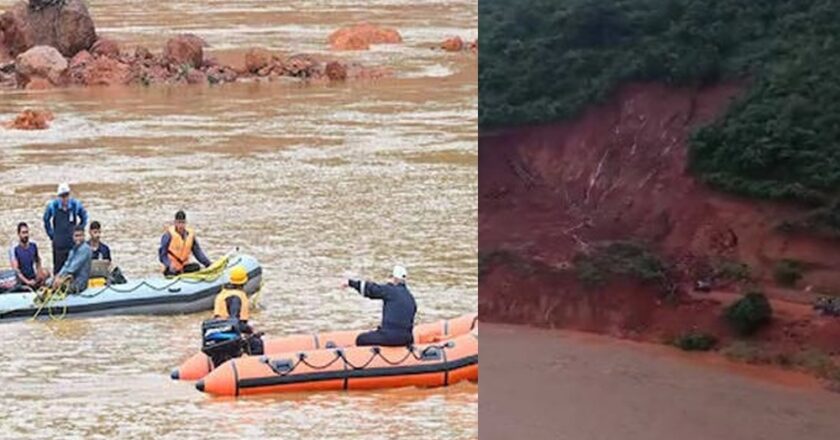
pixel 399 272
pixel 63 188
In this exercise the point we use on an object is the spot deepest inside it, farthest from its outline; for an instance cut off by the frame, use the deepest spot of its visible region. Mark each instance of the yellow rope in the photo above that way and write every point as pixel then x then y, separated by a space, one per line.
pixel 46 295
pixel 211 273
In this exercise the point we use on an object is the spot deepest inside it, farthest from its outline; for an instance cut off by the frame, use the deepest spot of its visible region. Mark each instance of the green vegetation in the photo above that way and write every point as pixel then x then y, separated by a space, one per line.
pixel 544 60
pixel 619 258
pixel 787 272
pixel 731 270
pixel 750 313
pixel 695 341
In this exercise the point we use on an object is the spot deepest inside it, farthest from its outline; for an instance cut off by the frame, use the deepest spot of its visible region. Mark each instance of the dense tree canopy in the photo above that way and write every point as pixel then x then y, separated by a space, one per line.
pixel 544 60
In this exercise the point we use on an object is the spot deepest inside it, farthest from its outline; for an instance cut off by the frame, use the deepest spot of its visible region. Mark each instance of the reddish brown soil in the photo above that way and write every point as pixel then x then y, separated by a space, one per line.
pixel 618 172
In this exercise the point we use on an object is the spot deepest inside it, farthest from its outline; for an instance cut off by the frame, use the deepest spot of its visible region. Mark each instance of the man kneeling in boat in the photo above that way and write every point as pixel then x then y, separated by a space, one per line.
pixel 76 269
pixel 176 245
pixel 233 303
pixel 398 310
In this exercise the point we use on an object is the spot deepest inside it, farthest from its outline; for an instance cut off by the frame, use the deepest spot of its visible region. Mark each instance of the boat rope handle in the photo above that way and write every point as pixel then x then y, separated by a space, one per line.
pixel 339 354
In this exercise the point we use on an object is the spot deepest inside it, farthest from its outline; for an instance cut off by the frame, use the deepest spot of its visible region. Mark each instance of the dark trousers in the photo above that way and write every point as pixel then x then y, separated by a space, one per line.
pixel 188 268
pixel 385 337
pixel 59 258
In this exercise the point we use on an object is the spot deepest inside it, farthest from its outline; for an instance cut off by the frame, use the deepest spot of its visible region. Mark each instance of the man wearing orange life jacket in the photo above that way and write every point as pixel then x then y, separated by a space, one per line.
pixel 176 246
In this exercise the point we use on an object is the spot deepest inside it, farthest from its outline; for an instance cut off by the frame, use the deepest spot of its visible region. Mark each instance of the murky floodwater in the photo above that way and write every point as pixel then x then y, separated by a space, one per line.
pixel 565 386
pixel 311 180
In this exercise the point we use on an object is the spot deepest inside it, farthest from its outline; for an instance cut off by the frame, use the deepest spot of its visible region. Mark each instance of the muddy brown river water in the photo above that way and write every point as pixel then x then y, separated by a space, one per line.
pixel 312 180
pixel 556 385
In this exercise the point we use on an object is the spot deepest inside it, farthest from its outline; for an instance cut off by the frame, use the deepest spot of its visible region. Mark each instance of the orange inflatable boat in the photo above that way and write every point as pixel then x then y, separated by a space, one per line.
pixel 199 365
pixel 351 368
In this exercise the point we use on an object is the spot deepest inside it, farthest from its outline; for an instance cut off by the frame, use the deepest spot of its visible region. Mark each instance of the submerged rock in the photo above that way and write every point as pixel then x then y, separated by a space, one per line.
pixel 454 44
pixel 31 120
pixel 361 36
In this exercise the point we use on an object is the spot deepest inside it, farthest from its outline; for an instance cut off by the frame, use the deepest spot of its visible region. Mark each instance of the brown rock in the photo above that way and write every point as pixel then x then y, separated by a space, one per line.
pixel 196 77
pixel 31 120
pixel 257 59
pixel 361 36
pixel 67 26
pixel 81 59
pixel 474 46
pixel 41 61
pixel 104 71
pixel 301 66
pixel 454 44
pixel 184 49
pixel 336 71
pixel 105 47
pixel 221 74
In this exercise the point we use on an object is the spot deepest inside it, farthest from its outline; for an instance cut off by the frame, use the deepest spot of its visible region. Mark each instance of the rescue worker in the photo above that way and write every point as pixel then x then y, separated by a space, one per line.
pixel 233 303
pixel 61 216
pixel 77 267
pixel 26 261
pixel 176 245
pixel 398 310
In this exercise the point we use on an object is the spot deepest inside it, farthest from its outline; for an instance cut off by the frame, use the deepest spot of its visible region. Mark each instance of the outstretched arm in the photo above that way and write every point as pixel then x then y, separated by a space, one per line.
pixel 367 288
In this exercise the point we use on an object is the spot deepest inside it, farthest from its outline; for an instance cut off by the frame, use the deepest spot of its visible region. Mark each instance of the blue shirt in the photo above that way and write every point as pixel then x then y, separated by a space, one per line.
pixel 103 252
pixel 59 221
pixel 78 265
pixel 26 257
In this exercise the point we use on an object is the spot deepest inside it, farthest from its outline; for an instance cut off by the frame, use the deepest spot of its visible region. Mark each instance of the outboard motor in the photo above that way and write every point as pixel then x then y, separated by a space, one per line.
pixel 221 340
pixel 225 339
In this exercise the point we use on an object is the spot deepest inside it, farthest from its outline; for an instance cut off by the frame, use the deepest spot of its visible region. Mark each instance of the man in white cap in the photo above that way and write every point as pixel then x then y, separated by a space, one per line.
pixel 61 217
pixel 398 310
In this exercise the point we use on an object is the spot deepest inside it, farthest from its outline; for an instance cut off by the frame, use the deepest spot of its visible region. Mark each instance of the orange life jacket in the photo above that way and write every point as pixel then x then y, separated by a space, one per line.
pixel 180 248
pixel 220 309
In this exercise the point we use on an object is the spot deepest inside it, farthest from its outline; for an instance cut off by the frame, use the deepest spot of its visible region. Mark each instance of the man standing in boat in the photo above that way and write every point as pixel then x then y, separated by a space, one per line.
pixel 176 246
pixel 77 267
pixel 62 215
pixel 398 310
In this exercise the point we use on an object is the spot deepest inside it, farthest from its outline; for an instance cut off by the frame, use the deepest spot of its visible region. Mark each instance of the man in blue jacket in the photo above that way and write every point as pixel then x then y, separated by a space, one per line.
pixel 77 266
pixel 398 310
pixel 61 217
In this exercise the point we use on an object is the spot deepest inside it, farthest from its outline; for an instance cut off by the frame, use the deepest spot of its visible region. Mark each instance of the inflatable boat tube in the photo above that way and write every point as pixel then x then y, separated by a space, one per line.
pixel 434 364
pixel 199 364
pixel 150 296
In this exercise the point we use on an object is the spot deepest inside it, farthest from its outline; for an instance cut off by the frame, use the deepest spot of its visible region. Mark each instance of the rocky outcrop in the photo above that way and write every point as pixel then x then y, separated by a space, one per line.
pixel 42 62
pixel 186 50
pixel 361 36
pixel 67 27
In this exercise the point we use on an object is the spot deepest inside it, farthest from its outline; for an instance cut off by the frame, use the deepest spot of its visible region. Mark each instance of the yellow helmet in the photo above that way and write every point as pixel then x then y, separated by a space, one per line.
pixel 238 275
